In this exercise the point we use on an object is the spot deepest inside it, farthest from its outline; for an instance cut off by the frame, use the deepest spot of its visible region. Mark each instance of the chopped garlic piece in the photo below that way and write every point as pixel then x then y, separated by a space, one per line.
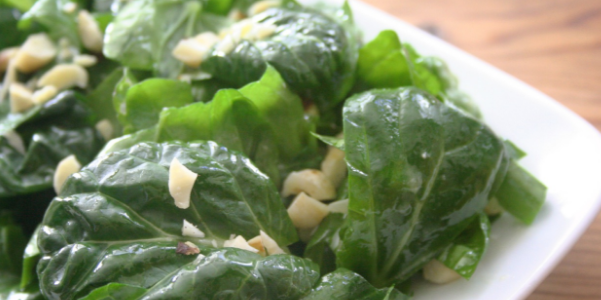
pixel 89 31
pixel 436 272
pixel 493 207
pixel 65 76
pixel 334 165
pixel 192 51
pixel 6 55
pixel 85 60
pixel 257 243
pixel 190 230
pixel 37 51
pixel 70 7
pixel 181 182
pixel 261 31
pixel 15 141
pixel 306 212
pixel 44 94
pixel 271 247
pixel 262 6
pixel 66 167
pixel 236 15
pixel 105 128
pixel 240 243
pixel 340 207
pixel 20 98
pixel 312 182
pixel 187 248
pixel 227 45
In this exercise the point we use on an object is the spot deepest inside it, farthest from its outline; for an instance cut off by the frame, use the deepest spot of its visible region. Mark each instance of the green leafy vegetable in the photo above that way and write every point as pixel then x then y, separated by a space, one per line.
pixel 343 284
pixel 324 241
pixel 121 202
pixel 51 15
pixel 465 252
pixel 418 172
pixel 521 194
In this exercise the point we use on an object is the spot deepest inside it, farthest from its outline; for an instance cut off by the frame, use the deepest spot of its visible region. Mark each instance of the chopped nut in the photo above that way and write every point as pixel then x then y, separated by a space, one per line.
pixel 89 31
pixel 262 6
pixel 306 212
pixel 190 230
pixel 105 128
pixel 15 141
pixel 227 45
pixel 340 207
pixel 66 167
pixel 436 272
pixel 6 55
pixel 312 182
pixel 65 76
pixel 192 51
pixel 240 243
pixel 37 51
pixel 334 166
pixel 85 60
pixel 20 98
pixel 271 247
pixel 181 182
pixel 187 248
pixel 44 94
pixel 261 31
pixel 257 243
pixel 70 7
pixel 236 15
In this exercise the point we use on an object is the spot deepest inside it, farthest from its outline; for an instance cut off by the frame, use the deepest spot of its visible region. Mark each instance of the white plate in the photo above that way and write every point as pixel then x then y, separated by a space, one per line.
pixel 564 152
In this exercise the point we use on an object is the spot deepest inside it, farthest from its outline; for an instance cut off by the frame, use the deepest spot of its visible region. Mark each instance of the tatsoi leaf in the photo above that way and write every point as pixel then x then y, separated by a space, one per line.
pixel 521 194
pixel 145 101
pixel 144 33
pixel 417 165
pixel 51 15
pixel 284 112
pixel 343 284
pixel 330 140
pixel 100 100
pixel 116 291
pixel 127 80
pixel 232 121
pixel 324 241
pixel 464 254
pixel 314 54
pixel 382 63
pixel 118 218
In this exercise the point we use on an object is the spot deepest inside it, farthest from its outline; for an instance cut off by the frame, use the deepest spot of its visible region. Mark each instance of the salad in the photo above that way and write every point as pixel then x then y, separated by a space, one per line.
pixel 237 149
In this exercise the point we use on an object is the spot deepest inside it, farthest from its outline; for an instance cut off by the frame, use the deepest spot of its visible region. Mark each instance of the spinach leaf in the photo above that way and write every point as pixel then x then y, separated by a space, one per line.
pixel 324 241
pixel 116 291
pixel 12 244
pixel 314 53
pixel 11 36
pixel 343 284
pixel 144 32
pixel 419 171
pixel 22 5
pixel 335 142
pixel 117 217
pixel 51 15
pixel 521 194
pixel 100 100
pixel 465 252
pixel 145 100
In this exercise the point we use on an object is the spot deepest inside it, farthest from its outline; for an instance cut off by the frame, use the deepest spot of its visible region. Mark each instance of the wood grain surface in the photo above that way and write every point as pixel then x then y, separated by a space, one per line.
pixel 553 45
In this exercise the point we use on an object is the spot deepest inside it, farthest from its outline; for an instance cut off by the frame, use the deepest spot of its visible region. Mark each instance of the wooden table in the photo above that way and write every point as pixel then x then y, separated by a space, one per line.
pixel 553 45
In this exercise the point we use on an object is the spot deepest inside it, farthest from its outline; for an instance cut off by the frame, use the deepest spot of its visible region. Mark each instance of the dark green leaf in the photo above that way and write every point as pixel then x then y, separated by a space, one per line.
pixel 465 252
pixel 521 194
pixel 113 291
pixel 343 284
pixel 331 140
pixel 415 165
pixel 11 36
pixel 100 100
pixel 118 209
pixel 324 241
pixel 51 15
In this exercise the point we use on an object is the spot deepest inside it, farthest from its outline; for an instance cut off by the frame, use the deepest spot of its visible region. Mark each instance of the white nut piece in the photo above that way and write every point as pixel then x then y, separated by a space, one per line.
pixel 436 272
pixel 236 15
pixel 89 31
pixel 15 141
pixel 181 182
pixel 44 94
pixel 240 243
pixel 265 244
pixel 70 7
pixel 192 51
pixel 6 55
pixel 85 60
pixel 312 182
pixel 20 98
pixel 306 212
pixel 260 31
pixel 66 167
pixel 227 45
pixel 192 231
pixel 334 165
pixel 340 207
pixel 65 76
pixel 105 128
pixel 257 243
pixel 37 51
pixel 262 6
